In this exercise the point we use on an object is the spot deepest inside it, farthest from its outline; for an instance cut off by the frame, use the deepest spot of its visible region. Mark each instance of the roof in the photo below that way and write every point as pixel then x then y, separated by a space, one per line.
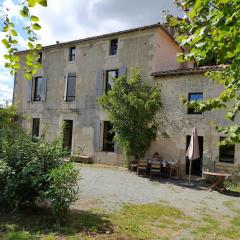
pixel 109 35
pixel 186 71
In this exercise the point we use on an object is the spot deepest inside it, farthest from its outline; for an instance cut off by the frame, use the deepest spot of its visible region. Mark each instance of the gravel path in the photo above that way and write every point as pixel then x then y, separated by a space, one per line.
pixel 110 188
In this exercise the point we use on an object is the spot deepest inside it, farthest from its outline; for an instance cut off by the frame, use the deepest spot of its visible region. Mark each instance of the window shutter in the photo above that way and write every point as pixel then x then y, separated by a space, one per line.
pixel 99 82
pixel 65 89
pixel 97 136
pixel 44 89
pixel 29 90
pixel 122 72
pixel 71 85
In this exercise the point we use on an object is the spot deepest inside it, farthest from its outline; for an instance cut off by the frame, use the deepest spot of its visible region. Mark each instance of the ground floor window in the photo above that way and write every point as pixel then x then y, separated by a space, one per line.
pixel 108 135
pixel 226 152
pixel 67 135
pixel 35 127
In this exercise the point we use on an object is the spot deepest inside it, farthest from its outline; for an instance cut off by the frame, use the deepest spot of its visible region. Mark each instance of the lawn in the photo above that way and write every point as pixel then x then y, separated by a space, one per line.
pixel 148 221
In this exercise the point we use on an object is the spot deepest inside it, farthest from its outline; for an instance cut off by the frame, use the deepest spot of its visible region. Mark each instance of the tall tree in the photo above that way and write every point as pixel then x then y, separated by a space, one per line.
pixel 11 33
pixel 132 105
pixel 211 33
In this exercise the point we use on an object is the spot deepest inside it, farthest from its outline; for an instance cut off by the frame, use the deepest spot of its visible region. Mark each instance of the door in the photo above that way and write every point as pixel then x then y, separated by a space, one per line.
pixel 196 164
pixel 67 135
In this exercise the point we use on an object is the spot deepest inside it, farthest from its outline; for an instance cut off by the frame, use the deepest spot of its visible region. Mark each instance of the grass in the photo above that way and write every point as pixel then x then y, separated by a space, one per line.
pixel 133 222
pixel 233 187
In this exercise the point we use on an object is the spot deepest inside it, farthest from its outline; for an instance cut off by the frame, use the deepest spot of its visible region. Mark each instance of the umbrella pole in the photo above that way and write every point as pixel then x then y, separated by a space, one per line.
pixel 190 170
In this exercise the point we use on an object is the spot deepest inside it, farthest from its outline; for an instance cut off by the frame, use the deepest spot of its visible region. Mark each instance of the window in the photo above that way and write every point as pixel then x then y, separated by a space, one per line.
pixel 37 84
pixel 72 54
pixel 35 127
pixel 194 97
pixel 108 135
pixel 40 57
pixel 67 135
pixel 109 79
pixel 226 152
pixel 70 87
pixel 113 47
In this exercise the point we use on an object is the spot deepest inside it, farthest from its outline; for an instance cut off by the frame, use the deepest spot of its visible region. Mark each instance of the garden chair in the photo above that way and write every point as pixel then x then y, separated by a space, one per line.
pixel 175 168
pixel 155 169
pixel 142 167
pixel 133 166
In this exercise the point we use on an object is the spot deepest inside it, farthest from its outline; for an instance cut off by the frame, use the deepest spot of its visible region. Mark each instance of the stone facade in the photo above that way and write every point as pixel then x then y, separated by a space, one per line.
pixel 174 118
pixel 150 47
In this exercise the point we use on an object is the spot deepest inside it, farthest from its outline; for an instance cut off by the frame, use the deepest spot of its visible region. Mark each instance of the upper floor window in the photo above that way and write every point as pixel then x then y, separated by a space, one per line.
pixel 72 54
pixel 70 87
pixel 113 47
pixel 40 57
pixel 35 127
pixel 195 97
pixel 37 86
pixel 110 75
pixel 108 135
pixel 226 152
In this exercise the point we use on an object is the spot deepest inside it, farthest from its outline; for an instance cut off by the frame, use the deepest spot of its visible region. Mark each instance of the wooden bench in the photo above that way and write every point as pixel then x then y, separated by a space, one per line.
pixel 82 158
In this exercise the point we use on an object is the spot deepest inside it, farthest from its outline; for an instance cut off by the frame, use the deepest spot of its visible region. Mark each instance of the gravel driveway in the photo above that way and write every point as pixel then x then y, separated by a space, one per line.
pixel 109 188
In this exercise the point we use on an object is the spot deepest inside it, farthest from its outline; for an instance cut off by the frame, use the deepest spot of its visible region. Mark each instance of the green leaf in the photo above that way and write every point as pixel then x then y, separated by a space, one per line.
pixel 16 66
pixel 14 33
pixel 36 26
pixel 6 56
pixel 43 3
pixel 6 43
pixel 30 45
pixel 32 3
pixel 34 18
pixel 24 12
pixel 28 76
pixel 5 29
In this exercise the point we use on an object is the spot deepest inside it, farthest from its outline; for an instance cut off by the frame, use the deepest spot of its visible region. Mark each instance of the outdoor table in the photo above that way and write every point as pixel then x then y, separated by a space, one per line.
pixel 217 184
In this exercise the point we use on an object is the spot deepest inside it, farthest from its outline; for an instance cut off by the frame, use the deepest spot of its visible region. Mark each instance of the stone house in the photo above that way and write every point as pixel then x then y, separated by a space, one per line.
pixel 75 73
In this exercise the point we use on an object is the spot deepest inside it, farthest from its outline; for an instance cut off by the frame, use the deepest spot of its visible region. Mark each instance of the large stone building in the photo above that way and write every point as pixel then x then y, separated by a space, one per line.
pixel 75 73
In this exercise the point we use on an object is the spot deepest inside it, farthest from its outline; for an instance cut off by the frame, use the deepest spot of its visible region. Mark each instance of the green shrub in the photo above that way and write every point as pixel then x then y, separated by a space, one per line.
pixel 63 191
pixel 29 170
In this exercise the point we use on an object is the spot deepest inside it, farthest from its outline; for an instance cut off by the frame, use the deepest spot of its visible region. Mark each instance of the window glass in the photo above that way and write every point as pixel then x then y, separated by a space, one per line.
pixel 108 135
pixel 111 74
pixel 194 97
pixel 71 84
pixel 35 127
pixel 226 152
pixel 37 88
pixel 40 57
pixel 72 53
pixel 113 47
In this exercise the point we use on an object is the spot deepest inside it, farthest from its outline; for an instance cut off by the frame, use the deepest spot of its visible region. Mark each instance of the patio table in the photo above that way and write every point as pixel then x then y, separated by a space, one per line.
pixel 217 183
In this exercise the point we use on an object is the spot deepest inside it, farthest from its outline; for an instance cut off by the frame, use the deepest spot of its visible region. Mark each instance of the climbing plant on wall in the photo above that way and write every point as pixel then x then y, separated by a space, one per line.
pixel 131 105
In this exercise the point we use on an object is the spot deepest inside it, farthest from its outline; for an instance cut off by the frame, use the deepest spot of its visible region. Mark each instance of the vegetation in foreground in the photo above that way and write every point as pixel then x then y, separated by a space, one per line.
pixel 141 222
pixel 33 171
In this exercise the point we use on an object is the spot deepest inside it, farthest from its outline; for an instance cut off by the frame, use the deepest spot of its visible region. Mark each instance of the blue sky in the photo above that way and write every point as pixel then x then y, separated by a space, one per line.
pixel 74 19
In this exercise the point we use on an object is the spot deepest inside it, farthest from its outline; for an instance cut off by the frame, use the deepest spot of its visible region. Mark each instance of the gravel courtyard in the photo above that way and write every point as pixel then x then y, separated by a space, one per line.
pixel 110 188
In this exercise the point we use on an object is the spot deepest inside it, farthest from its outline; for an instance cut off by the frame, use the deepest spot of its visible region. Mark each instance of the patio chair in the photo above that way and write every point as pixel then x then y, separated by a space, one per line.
pixel 133 166
pixel 142 167
pixel 175 168
pixel 155 169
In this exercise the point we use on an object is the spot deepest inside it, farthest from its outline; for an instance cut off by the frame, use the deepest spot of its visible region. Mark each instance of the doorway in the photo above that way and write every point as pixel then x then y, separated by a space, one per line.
pixel 67 135
pixel 196 164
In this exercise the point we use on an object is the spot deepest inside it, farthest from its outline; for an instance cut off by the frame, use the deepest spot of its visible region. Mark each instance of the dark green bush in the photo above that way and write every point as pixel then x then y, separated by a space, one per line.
pixel 29 171
pixel 62 191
